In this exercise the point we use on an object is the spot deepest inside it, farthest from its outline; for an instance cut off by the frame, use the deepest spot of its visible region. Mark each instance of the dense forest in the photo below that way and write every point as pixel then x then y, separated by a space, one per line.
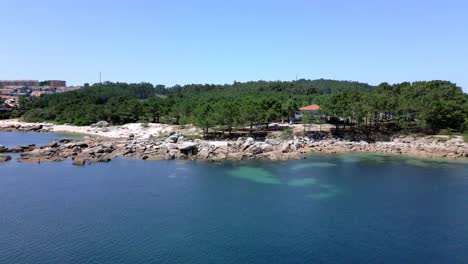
pixel 420 106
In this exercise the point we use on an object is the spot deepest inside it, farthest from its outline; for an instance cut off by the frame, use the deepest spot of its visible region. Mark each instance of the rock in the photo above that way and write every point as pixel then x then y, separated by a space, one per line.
pixel 21 149
pixel 239 142
pixel 100 124
pixel 3 149
pixel 31 128
pixel 4 158
pixel 187 146
pixel 79 162
pixel 173 153
pixel 65 140
pixel 266 147
pixel 255 150
pixel 52 145
pixel 249 141
pixel 172 138
pixel 219 157
pixel 203 154
pixel 273 141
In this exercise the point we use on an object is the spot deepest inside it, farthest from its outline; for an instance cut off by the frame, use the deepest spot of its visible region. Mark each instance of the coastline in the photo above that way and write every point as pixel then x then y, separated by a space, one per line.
pixel 162 142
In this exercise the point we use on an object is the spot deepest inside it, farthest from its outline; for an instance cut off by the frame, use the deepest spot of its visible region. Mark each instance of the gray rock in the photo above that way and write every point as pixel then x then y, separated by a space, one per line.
pixel 187 146
pixel 100 124
pixel 172 138
pixel 203 153
pixel 249 141
pixel 266 147
pixel 240 142
pixel 273 141
pixel 79 162
pixel 4 158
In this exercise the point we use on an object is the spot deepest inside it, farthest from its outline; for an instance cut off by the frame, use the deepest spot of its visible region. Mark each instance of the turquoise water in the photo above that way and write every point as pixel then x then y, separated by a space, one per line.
pixel 357 208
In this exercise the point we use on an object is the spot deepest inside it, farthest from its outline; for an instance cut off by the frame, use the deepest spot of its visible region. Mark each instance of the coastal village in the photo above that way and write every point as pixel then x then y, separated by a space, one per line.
pixel 12 90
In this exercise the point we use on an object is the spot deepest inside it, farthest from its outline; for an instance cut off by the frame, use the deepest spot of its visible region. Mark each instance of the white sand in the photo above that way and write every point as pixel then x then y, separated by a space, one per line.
pixel 138 129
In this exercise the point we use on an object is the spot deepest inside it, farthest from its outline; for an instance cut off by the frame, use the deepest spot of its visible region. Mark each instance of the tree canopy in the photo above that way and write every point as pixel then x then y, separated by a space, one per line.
pixel 425 106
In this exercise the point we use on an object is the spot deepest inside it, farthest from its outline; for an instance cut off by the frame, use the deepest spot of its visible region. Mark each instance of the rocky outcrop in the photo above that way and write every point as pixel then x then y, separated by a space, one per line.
pixel 4 158
pixel 20 149
pixel 23 128
pixel 429 146
pixel 94 150
pixel 3 149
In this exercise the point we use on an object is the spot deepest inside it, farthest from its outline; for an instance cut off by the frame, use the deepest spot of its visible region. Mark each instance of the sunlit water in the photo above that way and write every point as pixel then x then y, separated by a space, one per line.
pixel 12 139
pixel 358 208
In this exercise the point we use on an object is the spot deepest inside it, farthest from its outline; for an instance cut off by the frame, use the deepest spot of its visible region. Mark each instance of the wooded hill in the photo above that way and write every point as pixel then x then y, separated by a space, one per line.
pixel 424 106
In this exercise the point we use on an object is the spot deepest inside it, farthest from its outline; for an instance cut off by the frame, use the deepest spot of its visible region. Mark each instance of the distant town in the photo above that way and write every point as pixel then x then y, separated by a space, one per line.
pixel 11 90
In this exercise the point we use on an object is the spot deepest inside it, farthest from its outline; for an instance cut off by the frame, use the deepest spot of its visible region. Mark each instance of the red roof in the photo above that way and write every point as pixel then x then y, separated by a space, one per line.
pixel 313 107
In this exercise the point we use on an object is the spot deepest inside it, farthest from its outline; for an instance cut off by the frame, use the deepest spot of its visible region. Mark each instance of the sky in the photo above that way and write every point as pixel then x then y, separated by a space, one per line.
pixel 208 41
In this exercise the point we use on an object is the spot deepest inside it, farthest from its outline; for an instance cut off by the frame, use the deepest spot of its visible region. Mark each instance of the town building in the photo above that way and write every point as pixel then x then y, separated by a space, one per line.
pixel 13 89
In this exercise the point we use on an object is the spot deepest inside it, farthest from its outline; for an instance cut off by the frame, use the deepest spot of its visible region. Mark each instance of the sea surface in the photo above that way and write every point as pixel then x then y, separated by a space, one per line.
pixel 12 139
pixel 356 208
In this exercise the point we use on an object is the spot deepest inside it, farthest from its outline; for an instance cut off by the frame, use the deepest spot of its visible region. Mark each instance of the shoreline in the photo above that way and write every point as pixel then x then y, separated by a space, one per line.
pixel 164 142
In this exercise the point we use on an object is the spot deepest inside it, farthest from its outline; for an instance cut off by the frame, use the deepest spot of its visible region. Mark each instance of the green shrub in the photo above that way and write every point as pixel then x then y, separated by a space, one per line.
pixel 287 134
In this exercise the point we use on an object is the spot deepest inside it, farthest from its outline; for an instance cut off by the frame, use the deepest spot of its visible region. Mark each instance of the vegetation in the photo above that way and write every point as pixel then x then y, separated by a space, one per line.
pixel 420 107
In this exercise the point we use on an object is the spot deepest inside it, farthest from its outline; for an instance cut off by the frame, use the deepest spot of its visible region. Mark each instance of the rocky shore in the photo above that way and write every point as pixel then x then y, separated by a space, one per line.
pixel 176 146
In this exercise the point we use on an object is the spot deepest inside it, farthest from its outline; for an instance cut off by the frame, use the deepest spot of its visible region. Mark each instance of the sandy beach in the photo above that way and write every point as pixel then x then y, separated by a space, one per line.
pixel 138 130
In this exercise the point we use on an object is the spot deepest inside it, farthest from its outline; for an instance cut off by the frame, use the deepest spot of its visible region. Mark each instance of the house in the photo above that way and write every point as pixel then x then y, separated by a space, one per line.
pixel 312 109
pixel 10 104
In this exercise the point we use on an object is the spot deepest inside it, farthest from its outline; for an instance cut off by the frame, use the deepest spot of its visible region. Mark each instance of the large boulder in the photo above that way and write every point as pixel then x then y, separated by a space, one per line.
pixel 79 162
pixel 3 149
pixel 203 153
pixel 248 142
pixel 187 146
pixel 100 124
pixel 32 128
pixel 266 147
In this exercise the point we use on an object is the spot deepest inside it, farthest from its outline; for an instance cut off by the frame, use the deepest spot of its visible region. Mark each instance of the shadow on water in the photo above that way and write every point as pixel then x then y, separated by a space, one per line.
pixel 257 175
pixel 306 165
pixel 280 175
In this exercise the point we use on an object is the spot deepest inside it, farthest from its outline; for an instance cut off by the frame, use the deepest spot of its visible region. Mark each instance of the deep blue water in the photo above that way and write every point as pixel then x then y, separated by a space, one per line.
pixel 358 208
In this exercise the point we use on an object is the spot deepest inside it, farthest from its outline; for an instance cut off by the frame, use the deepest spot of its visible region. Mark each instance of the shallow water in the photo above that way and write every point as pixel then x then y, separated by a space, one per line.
pixel 359 208
pixel 12 139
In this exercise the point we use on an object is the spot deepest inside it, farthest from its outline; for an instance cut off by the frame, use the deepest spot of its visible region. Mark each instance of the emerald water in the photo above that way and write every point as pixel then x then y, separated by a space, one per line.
pixel 357 208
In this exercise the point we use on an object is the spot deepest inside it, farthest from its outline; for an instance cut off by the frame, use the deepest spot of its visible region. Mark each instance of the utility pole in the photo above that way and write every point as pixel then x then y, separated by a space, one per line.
pixel 100 79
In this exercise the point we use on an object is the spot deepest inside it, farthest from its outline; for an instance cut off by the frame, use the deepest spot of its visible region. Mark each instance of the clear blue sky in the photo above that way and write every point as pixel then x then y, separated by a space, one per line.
pixel 208 41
